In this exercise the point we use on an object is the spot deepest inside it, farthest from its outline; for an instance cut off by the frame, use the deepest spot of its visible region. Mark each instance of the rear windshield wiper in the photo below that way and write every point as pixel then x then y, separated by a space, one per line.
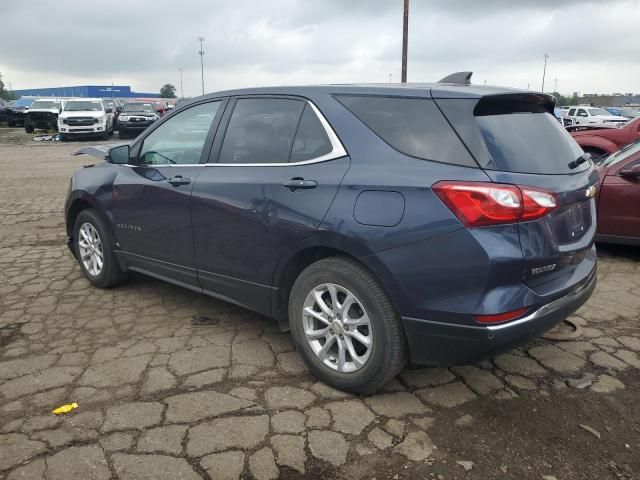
pixel 579 161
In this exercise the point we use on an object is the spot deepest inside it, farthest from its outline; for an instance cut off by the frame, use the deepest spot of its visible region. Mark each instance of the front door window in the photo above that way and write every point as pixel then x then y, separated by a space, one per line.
pixel 179 140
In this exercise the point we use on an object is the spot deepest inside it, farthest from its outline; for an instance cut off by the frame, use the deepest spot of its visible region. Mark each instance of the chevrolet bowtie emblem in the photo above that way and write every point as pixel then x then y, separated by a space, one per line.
pixel 591 191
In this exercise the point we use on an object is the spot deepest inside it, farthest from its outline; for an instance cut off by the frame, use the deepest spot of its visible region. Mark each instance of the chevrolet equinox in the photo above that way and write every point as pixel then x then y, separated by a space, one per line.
pixel 433 223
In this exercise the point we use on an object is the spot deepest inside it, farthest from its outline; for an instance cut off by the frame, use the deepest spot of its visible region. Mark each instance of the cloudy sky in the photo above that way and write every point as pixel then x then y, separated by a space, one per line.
pixel 594 46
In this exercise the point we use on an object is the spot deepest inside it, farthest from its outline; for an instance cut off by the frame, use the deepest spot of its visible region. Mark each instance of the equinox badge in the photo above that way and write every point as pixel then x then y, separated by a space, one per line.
pixel 546 268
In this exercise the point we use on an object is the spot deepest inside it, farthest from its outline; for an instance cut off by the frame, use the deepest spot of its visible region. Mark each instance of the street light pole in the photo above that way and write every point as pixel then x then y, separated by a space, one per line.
pixel 201 52
pixel 405 35
pixel 181 89
pixel 544 71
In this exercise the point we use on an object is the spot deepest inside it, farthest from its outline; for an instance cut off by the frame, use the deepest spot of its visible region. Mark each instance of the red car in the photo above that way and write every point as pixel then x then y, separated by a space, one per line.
pixel 599 140
pixel 619 196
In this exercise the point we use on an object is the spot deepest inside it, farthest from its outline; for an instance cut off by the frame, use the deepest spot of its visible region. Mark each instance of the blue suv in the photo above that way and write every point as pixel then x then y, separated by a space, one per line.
pixel 433 223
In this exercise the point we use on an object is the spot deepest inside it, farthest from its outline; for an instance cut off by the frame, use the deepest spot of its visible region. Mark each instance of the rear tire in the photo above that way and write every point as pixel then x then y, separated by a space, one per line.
pixel 94 249
pixel 362 311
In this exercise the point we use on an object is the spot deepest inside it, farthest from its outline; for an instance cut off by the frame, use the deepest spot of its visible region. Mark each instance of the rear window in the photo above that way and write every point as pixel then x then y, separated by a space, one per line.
pixel 412 126
pixel 512 135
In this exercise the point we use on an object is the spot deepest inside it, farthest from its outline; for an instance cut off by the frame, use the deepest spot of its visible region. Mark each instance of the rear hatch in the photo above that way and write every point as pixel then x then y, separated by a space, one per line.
pixel 516 140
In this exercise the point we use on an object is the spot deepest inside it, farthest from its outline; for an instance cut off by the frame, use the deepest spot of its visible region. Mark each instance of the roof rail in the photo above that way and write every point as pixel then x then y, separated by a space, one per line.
pixel 459 78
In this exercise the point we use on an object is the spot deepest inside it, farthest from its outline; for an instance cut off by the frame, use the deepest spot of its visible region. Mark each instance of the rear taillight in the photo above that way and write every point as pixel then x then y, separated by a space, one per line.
pixel 478 204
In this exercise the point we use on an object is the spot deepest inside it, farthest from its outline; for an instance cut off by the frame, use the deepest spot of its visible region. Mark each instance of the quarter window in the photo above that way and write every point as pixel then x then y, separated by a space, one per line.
pixel 311 139
pixel 412 126
pixel 181 138
pixel 261 130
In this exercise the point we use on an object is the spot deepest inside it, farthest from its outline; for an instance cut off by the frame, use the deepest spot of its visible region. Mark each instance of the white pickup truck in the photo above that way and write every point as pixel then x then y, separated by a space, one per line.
pixel 85 116
pixel 583 115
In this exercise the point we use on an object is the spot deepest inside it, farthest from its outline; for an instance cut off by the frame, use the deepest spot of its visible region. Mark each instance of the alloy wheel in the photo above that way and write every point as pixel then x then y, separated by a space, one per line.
pixel 337 327
pixel 90 249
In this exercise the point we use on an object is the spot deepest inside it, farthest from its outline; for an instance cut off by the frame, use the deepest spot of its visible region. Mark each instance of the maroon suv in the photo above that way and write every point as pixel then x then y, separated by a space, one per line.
pixel 619 196
pixel 599 140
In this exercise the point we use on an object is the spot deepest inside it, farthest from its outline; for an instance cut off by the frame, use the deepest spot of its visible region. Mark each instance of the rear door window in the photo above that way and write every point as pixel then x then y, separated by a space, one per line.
pixel 413 126
pixel 311 139
pixel 507 134
pixel 261 130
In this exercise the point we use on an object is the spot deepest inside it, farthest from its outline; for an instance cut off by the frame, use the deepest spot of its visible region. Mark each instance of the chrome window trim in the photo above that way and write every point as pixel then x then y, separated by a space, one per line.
pixel 337 151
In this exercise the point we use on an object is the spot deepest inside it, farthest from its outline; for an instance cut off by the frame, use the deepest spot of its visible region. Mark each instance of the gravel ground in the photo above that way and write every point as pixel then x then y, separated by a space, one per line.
pixel 171 384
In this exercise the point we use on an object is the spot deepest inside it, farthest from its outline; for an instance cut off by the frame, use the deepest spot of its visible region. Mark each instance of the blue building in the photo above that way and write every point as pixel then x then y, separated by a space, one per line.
pixel 100 91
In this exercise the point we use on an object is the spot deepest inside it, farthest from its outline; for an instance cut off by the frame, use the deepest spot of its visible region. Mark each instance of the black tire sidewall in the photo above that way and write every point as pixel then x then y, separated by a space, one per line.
pixel 355 381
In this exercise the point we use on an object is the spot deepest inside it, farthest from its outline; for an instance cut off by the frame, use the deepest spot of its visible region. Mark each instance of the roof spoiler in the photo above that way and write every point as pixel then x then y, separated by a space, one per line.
pixel 459 78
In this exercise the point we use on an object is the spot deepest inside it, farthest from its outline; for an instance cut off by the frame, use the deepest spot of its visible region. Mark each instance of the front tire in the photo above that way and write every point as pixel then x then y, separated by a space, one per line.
pixel 94 248
pixel 345 327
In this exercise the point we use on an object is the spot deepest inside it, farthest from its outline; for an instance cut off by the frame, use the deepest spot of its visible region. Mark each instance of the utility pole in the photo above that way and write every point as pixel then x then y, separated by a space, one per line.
pixel 181 89
pixel 544 71
pixel 201 52
pixel 555 85
pixel 390 76
pixel 405 35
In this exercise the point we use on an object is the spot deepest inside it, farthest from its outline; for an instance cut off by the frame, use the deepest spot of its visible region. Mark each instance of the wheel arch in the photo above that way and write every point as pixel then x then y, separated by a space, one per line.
pixel 290 268
pixel 78 202
pixel 596 142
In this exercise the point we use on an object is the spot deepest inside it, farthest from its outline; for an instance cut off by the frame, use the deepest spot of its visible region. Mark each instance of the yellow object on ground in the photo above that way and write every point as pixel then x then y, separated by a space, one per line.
pixel 65 408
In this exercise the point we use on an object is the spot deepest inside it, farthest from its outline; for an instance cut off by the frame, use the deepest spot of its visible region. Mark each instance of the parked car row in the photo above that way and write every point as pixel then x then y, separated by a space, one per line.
pixel 587 115
pixel 82 116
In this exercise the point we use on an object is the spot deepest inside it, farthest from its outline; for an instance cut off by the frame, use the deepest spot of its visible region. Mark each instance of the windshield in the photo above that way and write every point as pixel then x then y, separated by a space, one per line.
pixel 623 153
pixel 83 106
pixel 138 107
pixel 598 111
pixel 45 104
pixel 23 102
pixel 631 112
pixel 527 143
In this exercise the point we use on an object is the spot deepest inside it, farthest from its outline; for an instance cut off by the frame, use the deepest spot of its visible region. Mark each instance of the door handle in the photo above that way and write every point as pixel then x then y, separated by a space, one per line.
pixel 299 183
pixel 179 180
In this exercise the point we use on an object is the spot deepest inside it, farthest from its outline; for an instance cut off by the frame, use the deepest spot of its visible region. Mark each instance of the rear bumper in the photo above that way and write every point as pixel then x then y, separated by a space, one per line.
pixel 439 343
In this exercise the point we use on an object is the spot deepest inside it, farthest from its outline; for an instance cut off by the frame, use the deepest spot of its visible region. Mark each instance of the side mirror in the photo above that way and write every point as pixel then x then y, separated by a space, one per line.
pixel 108 110
pixel 118 109
pixel 631 172
pixel 119 155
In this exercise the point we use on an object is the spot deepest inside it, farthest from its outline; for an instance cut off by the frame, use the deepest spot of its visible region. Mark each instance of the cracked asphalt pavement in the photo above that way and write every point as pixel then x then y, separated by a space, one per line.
pixel 171 384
